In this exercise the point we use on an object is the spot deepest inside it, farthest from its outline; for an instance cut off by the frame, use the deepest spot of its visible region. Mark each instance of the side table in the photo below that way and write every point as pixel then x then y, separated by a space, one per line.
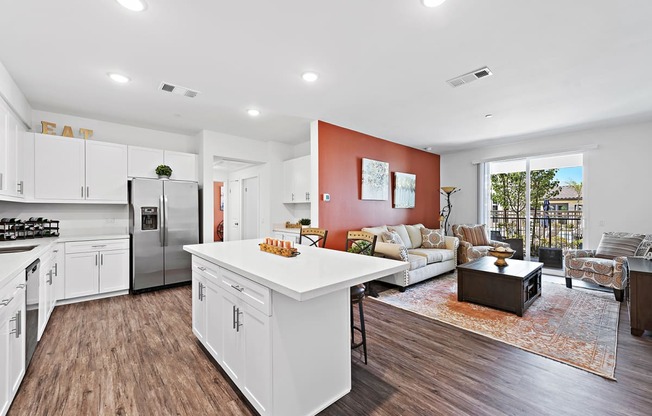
pixel 640 295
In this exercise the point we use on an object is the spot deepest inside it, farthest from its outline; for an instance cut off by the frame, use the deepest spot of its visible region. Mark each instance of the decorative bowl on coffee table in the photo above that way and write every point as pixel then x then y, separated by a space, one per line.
pixel 501 256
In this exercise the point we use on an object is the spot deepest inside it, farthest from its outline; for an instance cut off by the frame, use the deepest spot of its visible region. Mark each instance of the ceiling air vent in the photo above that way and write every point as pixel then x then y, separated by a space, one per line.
pixel 178 90
pixel 470 77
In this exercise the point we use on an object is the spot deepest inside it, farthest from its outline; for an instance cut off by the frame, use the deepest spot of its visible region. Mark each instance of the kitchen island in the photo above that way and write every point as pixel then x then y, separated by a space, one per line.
pixel 280 327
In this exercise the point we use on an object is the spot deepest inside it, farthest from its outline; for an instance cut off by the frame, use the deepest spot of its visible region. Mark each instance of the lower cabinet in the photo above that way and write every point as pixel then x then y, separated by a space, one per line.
pixel 206 305
pixel 12 339
pixel 96 267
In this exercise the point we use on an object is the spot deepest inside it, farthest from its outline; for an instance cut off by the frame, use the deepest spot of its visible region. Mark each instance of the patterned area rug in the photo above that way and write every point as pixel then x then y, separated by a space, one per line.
pixel 576 326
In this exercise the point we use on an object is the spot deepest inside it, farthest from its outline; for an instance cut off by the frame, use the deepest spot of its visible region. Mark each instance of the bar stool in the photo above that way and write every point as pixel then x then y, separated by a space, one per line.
pixel 364 243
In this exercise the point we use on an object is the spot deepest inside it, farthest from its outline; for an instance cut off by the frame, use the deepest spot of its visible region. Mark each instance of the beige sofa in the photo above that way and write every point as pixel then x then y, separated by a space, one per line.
pixel 424 262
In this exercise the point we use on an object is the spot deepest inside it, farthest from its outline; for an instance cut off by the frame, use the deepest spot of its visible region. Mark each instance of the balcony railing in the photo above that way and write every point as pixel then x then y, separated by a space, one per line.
pixel 551 229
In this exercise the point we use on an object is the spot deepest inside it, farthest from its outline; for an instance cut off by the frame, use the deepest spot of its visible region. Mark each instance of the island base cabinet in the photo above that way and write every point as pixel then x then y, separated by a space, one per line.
pixel 12 339
pixel 198 306
pixel 206 306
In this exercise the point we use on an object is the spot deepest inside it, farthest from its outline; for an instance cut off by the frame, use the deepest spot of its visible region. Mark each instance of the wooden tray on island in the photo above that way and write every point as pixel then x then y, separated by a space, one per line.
pixel 280 251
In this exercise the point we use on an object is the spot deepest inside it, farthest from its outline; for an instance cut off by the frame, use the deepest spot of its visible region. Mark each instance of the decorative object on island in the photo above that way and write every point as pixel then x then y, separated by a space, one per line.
pixel 164 171
pixel 447 191
pixel 375 180
pixel 279 247
pixel 501 253
pixel 405 185
pixel 304 221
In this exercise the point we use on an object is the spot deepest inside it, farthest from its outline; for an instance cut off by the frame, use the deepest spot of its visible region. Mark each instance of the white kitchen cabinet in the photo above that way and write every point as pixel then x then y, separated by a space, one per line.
pixel 296 180
pixel 46 288
pixel 206 307
pixel 287 236
pixel 11 154
pixel 94 267
pixel 59 271
pixel 12 339
pixel 69 169
pixel 143 162
pixel 198 306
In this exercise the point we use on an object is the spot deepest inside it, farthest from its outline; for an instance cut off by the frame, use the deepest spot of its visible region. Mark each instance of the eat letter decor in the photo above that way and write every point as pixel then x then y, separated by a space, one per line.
pixel 48 127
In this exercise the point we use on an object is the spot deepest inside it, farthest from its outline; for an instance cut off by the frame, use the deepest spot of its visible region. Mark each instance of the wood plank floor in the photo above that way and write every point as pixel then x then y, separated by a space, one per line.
pixel 136 355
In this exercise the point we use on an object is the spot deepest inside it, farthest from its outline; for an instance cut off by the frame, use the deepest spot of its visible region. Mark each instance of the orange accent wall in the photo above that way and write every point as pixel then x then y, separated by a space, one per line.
pixel 218 214
pixel 340 168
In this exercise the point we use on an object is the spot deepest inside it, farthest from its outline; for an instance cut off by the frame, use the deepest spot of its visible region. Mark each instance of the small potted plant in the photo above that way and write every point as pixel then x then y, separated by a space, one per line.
pixel 305 222
pixel 163 171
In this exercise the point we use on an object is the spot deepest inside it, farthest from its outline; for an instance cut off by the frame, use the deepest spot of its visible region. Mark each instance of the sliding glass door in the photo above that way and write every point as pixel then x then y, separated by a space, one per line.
pixel 536 205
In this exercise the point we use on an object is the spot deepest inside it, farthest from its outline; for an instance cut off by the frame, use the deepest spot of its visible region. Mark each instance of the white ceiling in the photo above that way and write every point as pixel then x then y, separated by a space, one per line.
pixel 557 65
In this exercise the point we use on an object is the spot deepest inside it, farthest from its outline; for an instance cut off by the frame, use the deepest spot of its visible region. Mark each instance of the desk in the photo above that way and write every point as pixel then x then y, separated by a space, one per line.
pixel 640 295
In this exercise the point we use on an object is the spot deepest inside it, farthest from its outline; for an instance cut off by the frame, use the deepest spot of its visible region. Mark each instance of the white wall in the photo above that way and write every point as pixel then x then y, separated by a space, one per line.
pixel 617 190
pixel 269 154
pixel 14 97
pixel 118 133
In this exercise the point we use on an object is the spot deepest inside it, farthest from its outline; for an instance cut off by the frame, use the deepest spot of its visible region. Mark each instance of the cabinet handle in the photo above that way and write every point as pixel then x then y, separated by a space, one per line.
pixel 19 188
pixel 238 288
pixel 99 246
pixel 55 251
pixel 234 316
pixel 88 192
pixel 101 259
pixel 15 331
pixel 293 196
pixel 82 191
pixel 1 182
pixel 96 259
pixel 238 324
pixel 6 302
pixel 19 324
pixel 307 196
pixel 56 269
pixel 21 286
pixel 200 290
pixel 203 269
pixel 49 281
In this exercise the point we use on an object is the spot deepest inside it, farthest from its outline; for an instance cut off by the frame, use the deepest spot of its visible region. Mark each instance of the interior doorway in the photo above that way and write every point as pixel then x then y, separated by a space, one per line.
pixel 250 208
pixel 218 211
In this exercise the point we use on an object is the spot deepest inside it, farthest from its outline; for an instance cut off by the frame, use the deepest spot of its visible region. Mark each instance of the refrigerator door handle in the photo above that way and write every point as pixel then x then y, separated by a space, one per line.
pixel 165 214
pixel 161 222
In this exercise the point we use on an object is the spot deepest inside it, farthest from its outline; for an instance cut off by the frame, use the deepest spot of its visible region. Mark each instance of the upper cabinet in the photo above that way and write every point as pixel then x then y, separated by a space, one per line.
pixel 296 180
pixel 68 170
pixel 11 154
pixel 143 162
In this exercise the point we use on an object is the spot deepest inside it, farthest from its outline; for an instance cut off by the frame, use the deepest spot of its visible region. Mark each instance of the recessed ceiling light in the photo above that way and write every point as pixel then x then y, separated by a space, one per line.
pixel 427 148
pixel 133 5
pixel 310 76
pixel 432 3
pixel 488 115
pixel 253 112
pixel 119 78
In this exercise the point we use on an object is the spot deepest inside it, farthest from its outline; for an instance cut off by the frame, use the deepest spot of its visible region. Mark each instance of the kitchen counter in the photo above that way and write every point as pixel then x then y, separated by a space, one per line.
pixel 12 263
pixel 315 272
pixel 287 230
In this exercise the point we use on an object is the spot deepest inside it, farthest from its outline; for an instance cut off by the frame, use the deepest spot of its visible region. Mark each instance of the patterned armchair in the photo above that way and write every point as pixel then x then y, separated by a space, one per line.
pixel 474 242
pixel 607 265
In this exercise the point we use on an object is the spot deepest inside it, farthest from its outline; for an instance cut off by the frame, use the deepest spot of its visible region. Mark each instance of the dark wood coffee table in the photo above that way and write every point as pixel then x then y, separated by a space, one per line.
pixel 640 295
pixel 512 288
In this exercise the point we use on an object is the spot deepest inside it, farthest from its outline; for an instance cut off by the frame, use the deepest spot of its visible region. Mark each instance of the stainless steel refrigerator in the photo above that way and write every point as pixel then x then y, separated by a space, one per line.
pixel 164 215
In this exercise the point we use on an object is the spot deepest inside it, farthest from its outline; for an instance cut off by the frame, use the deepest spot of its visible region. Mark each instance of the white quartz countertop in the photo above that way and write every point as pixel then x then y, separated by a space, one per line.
pixel 315 272
pixel 12 263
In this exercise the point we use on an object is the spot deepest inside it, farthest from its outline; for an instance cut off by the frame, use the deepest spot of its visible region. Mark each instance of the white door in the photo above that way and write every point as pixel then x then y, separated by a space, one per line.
pixel 106 172
pixel 58 168
pixel 114 270
pixel 250 208
pixel 231 352
pixel 233 212
pixel 256 346
pixel 198 306
pixel 214 322
pixel 82 273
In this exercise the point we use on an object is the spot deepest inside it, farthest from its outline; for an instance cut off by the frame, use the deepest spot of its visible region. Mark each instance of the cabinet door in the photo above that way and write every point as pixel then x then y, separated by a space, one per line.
pixel 46 278
pixel 106 172
pixel 301 179
pixel 114 270
pixel 143 162
pixel 198 306
pixel 288 180
pixel 82 273
pixel 213 300
pixel 231 352
pixel 184 165
pixel 256 350
pixel 9 187
pixel 58 168
pixel 16 347
pixel 5 328
pixel 59 271
pixel 20 157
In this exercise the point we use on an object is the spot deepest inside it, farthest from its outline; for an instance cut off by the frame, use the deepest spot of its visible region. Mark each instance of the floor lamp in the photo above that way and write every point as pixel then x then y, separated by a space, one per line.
pixel 447 191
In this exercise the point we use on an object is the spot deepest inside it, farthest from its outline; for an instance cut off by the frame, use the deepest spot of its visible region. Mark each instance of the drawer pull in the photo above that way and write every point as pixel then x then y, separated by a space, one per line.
pixel 203 269
pixel 238 288
pixel 6 302
pixel 99 246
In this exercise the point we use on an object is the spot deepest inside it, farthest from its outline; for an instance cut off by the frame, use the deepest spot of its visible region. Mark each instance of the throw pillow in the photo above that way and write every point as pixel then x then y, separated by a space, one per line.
pixel 645 245
pixel 612 245
pixel 400 229
pixel 392 237
pixel 414 232
pixel 432 238
pixel 475 234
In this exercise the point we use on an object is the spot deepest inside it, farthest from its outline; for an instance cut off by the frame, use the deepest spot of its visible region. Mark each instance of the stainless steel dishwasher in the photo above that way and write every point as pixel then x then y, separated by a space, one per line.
pixel 32 305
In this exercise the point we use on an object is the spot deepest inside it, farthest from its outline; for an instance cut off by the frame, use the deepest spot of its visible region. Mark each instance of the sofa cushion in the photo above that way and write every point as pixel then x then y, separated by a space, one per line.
pixel 645 246
pixel 392 237
pixel 433 255
pixel 376 230
pixel 400 229
pixel 618 244
pixel 432 238
pixel 416 262
pixel 591 264
pixel 414 232
pixel 476 235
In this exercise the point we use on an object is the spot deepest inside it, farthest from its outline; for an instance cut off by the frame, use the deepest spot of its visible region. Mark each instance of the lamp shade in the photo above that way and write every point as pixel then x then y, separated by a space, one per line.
pixel 448 189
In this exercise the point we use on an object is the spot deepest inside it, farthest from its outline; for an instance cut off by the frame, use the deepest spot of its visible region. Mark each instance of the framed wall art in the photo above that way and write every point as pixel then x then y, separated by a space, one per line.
pixel 375 180
pixel 405 185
